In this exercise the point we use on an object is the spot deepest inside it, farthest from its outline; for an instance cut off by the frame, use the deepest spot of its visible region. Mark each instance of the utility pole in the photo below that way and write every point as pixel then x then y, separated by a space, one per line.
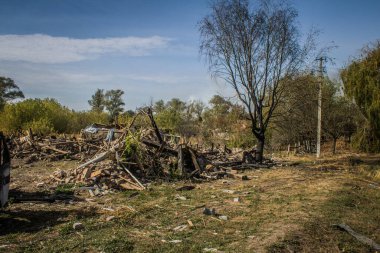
pixel 319 125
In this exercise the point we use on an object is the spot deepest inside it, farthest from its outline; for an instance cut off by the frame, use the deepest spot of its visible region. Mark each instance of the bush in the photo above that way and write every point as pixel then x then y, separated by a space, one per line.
pixel 45 116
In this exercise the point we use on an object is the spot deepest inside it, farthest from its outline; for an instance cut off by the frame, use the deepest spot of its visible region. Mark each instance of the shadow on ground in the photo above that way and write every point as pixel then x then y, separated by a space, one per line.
pixel 22 216
pixel 355 204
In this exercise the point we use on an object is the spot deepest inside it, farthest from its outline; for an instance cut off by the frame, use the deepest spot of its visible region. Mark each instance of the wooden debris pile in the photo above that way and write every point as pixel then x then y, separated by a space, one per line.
pixel 98 179
pixel 33 148
pixel 133 156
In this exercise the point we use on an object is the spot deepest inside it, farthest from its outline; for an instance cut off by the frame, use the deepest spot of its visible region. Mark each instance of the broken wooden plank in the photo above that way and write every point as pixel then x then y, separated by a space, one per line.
pixel 194 159
pixel 98 158
pixel 44 146
pixel 130 173
pixel 129 186
pixel 96 173
pixel 130 182
pixel 86 173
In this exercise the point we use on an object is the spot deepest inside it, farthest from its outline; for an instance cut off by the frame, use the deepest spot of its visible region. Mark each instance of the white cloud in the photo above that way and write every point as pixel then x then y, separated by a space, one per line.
pixel 40 48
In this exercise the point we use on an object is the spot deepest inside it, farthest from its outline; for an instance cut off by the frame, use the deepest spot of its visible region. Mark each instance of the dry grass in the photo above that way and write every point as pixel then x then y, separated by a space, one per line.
pixel 284 209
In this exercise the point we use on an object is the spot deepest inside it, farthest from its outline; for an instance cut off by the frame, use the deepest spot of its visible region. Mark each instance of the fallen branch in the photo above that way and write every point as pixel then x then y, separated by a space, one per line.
pixel 358 236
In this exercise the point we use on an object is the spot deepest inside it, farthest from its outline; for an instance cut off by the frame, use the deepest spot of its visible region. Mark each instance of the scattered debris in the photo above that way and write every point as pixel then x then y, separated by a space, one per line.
pixel 110 218
pixel 211 250
pixel 223 217
pixel 78 226
pixel 175 241
pixel 180 228
pixel 208 211
pixel 228 191
pixel 108 209
pixel 40 184
pixel 180 197
pixel 237 200
pixel 186 188
pixel 376 186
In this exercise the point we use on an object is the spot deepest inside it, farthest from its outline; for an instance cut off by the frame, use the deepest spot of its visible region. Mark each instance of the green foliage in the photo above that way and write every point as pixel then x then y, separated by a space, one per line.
pixel 8 91
pixel 46 116
pixel 97 101
pixel 362 83
pixel 42 126
pixel 111 100
pixel 171 116
pixel 296 118
pixel 366 139
pixel 114 103
pixel 132 141
pixel 223 122
pixel 226 123
pixel 67 189
pixel 241 139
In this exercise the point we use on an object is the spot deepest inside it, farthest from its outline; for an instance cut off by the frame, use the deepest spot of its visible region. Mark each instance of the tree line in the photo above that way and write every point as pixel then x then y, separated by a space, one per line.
pixel 220 121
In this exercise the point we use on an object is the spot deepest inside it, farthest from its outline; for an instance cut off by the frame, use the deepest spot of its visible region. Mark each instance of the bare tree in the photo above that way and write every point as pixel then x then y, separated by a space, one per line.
pixel 252 49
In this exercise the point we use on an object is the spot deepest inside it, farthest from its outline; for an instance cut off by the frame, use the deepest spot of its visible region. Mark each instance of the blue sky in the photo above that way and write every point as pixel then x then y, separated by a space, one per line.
pixel 148 48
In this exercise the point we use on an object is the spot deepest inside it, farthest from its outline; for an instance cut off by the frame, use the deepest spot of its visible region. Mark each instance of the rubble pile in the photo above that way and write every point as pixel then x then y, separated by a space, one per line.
pixel 32 148
pixel 131 157
pixel 99 179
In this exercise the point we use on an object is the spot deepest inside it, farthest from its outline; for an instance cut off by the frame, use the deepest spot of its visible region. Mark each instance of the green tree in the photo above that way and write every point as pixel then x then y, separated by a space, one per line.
pixel 295 120
pixel 361 81
pixel 252 49
pixel 226 123
pixel 114 103
pixel 8 91
pixel 171 116
pixel 159 106
pixel 97 101
pixel 338 118
pixel 195 110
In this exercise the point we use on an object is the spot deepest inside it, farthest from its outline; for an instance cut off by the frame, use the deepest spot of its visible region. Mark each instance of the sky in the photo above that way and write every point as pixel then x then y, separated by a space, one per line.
pixel 66 49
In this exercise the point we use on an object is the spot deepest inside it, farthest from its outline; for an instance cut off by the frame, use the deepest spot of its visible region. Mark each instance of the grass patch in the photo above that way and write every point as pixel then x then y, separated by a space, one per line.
pixel 67 189
pixel 357 206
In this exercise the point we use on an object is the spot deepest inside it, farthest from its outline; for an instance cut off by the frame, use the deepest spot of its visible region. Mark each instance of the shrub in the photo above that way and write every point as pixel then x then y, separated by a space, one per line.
pixel 46 116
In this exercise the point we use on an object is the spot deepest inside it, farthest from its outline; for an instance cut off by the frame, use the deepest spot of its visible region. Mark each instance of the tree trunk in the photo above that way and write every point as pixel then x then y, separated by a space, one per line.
pixel 260 149
pixel 334 145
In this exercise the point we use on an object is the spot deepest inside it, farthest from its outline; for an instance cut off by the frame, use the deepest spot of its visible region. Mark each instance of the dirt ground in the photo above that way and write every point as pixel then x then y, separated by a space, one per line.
pixel 289 208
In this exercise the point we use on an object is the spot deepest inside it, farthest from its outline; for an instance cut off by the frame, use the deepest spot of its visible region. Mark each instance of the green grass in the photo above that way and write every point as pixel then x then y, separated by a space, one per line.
pixel 65 189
